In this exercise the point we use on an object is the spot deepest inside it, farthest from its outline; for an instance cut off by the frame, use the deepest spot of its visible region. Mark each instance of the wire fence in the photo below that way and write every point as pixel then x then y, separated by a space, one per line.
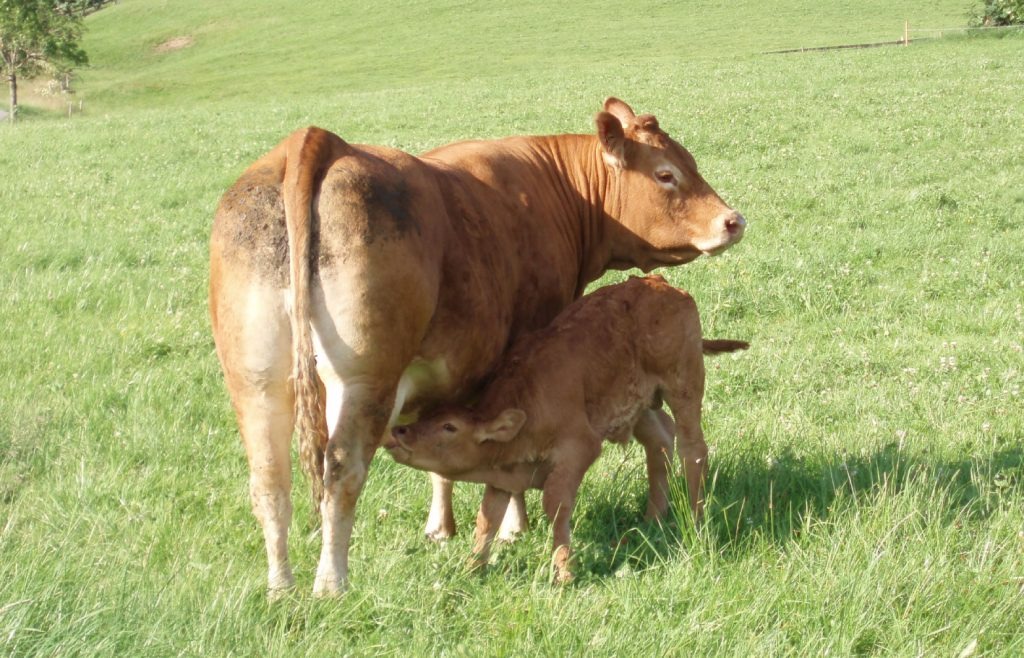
pixel 910 34
pixel 938 32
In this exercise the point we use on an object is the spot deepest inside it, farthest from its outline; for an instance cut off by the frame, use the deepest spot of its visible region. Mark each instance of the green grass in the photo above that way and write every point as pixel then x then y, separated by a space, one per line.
pixel 868 464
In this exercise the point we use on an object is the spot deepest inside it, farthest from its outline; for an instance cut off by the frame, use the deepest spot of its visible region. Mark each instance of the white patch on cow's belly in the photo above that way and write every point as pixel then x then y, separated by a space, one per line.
pixel 420 376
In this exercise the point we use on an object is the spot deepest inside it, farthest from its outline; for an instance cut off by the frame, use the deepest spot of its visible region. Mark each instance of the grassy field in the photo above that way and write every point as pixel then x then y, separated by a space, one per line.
pixel 868 451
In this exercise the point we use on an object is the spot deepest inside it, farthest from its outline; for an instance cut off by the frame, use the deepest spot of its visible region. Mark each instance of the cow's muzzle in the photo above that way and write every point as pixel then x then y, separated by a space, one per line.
pixel 726 230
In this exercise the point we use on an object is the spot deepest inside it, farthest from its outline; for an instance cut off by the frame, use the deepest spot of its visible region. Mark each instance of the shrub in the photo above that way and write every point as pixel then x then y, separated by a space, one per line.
pixel 998 12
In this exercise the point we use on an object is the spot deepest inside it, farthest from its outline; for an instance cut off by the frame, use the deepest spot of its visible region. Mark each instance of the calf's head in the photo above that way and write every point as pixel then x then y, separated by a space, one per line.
pixel 667 214
pixel 451 441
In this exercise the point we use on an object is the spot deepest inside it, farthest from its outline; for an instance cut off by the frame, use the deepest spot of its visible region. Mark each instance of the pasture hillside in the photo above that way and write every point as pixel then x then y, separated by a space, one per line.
pixel 259 52
pixel 867 490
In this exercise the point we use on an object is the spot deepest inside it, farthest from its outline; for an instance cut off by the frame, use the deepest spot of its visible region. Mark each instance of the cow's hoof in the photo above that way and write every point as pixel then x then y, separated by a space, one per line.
pixel 328 590
pixel 509 535
pixel 329 585
pixel 280 584
pixel 275 594
pixel 439 535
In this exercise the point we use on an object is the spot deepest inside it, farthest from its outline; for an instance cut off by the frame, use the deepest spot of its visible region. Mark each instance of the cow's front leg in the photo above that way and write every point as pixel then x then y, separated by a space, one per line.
pixel 359 416
pixel 441 520
pixel 515 522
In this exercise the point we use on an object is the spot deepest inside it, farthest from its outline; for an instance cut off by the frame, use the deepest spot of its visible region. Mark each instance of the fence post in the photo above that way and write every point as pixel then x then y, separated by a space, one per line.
pixel 906 33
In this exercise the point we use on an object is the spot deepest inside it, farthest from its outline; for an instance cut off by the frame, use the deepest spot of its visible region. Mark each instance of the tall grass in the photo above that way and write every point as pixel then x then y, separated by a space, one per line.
pixel 867 466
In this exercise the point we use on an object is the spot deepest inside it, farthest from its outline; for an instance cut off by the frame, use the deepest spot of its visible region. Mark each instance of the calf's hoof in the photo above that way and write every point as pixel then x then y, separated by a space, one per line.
pixel 477 564
pixel 563 576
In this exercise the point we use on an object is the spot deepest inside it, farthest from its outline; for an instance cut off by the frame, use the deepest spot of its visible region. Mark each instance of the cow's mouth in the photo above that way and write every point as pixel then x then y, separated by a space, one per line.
pixel 716 247
pixel 675 257
pixel 717 250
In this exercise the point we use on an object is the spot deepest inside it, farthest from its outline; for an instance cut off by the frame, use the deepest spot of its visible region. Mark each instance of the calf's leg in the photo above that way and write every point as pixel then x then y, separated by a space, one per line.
pixel 492 510
pixel 441 520
pixel 654 431
pixel 684 394
pixel 685 403
pixel 559 498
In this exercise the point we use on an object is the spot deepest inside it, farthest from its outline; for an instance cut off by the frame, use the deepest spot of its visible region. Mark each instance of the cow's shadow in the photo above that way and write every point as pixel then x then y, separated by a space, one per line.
pixel 770 500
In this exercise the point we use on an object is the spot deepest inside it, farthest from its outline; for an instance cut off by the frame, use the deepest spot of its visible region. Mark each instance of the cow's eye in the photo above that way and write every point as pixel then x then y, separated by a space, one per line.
pixel 665 176
pixel 448 427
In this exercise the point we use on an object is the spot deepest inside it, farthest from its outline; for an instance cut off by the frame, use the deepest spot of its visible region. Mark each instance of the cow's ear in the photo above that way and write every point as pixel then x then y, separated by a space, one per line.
pixel 620 110
pixel 648 122
pixel 503 428
pixel 612 138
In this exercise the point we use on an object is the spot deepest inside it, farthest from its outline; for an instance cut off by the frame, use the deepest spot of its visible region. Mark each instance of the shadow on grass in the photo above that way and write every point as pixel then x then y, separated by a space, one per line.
pixel 773 500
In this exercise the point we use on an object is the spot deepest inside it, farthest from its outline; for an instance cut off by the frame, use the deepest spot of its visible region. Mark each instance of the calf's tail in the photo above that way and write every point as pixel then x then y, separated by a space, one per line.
pixel 307 155
pixel 713 347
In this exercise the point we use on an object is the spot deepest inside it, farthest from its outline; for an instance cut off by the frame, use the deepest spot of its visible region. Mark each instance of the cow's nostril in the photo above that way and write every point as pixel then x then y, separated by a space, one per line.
pixel 734 223
pixel 401 430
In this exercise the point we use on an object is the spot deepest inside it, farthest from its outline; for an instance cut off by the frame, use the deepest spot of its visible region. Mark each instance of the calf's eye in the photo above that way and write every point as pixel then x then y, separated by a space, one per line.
pixel 448 427
pixel 665 176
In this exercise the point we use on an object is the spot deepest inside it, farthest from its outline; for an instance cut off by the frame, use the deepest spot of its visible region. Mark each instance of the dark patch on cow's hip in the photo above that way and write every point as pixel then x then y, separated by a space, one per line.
pixel 372 207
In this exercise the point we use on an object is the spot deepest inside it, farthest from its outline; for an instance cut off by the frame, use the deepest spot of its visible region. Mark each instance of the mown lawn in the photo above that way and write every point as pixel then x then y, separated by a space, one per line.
pixel 867 465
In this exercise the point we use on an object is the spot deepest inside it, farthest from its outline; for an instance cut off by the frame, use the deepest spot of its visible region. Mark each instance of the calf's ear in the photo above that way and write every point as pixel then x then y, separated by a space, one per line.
pixel 612 138
pixel 503 428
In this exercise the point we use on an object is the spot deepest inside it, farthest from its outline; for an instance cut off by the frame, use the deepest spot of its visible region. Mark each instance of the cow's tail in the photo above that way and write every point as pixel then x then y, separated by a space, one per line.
pixel 307 155
pixel 723 346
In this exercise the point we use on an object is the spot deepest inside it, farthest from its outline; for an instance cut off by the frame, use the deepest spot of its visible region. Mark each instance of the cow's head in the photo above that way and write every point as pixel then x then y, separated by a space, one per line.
pixel 667 212
pixel 451 441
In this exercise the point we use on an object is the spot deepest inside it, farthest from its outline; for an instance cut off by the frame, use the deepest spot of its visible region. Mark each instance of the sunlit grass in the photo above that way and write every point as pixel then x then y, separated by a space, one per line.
pixel 865 493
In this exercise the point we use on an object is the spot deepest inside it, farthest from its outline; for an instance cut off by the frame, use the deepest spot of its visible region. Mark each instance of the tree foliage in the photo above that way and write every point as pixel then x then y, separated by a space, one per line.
pixel 994 13
pixel 38 36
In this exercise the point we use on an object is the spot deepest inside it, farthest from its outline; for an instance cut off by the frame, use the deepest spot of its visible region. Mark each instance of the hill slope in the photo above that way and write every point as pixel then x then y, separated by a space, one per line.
pixel 280 50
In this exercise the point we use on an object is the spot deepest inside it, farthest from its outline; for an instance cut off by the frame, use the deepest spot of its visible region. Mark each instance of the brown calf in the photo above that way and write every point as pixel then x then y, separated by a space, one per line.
pixel 592 375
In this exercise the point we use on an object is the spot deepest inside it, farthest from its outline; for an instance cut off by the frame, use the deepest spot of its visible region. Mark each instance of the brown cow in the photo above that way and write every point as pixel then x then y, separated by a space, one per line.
pixel 354 283
pixel 604 362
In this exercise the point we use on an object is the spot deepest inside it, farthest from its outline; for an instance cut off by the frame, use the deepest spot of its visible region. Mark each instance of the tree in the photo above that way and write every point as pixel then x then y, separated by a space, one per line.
pixel 37 36
pixel 996 13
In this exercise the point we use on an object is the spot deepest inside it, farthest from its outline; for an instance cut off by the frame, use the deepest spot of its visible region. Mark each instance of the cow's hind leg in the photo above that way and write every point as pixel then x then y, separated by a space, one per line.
pixel 515 521
pixel 441 520
pixel 265 420
pixel 357 416
pixel 253 345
